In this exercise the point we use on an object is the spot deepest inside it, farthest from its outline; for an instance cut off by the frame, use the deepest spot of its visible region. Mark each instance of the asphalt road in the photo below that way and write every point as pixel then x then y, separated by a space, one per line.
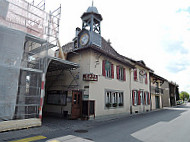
pixel 166 125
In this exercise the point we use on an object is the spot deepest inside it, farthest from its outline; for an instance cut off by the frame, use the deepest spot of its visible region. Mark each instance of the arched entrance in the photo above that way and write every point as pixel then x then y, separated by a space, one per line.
pixel 57 98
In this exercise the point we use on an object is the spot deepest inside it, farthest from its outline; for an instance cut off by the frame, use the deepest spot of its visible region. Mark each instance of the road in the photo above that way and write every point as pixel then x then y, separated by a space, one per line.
pixel 166 125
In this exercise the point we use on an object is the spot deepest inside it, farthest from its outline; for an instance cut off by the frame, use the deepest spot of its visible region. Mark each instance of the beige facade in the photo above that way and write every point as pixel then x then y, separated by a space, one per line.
pixel 140 85
pixel 157 93
pixel 90 62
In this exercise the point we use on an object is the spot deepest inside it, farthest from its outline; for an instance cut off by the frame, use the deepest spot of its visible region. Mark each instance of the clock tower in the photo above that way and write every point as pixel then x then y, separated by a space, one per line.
pixel 91 28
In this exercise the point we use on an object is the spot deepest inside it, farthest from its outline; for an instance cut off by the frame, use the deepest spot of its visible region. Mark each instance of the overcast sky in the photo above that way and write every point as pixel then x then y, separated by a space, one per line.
pixel 156 31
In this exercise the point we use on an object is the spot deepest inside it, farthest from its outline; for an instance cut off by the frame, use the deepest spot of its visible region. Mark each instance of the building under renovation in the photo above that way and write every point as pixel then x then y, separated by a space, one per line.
pixel 27 33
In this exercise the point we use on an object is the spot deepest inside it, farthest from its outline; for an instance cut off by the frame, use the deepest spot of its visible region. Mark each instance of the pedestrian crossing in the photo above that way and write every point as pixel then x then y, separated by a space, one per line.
pixel 30 139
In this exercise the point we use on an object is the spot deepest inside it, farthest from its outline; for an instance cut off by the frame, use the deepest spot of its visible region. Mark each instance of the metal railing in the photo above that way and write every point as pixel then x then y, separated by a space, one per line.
pixel 156 90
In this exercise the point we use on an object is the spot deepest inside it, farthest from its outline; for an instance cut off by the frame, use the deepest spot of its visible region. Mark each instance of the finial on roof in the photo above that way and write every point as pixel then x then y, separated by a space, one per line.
pixel 92 3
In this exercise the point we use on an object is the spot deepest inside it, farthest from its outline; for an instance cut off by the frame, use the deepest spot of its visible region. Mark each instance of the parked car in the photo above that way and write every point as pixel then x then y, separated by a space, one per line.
pixel 179 102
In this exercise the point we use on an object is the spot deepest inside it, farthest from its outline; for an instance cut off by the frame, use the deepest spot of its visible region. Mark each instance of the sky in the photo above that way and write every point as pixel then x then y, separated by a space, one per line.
pixel 155 31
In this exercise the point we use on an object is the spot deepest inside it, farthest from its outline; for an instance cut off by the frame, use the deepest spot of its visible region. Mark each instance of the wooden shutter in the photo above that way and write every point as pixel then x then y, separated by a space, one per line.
pixel 145 98
pixel 148 98
pixel 139 97
pixel 103 68
pixel 117 72
pixel 112 71
pixel 146 79
pixel 133 97
pixel 124 74
pixel 135 74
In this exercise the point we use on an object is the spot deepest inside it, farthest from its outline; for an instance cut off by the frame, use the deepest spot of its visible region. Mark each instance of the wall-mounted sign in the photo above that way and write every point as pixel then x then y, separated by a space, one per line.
pixel 90 77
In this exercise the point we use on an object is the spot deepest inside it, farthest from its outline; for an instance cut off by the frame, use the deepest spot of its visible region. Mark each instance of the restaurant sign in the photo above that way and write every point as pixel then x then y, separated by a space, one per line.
pixel 90 77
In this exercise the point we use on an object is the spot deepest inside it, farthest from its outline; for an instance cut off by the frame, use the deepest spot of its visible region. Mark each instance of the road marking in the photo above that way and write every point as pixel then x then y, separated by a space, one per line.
pixel 30 139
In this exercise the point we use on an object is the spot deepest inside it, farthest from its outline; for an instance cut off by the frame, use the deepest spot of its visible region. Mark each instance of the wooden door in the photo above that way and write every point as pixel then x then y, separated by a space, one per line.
pixel 76 104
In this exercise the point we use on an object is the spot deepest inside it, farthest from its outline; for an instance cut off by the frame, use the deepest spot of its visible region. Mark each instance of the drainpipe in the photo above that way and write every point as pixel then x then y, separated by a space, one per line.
pixel 150 92
pixel 130 92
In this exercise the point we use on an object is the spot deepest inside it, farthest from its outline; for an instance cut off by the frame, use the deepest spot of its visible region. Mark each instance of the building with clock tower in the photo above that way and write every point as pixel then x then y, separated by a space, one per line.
pixel 106 83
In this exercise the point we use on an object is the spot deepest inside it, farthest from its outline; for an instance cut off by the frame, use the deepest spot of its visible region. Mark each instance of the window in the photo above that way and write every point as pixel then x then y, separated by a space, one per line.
pixel 135 74
pixel 140 78
pixel 141 96
pixel 135 97
pixel 121 73
pixel 146 78
pixel 107 69
pixel 146 98
pixel 114 99
pixel 56 97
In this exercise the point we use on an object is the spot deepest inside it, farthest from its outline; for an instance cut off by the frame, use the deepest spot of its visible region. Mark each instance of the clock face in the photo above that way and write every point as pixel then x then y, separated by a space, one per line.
pixel 84 39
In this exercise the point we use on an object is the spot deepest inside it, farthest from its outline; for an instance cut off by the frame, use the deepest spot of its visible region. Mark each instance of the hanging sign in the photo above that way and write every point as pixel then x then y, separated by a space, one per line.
pixel 90 77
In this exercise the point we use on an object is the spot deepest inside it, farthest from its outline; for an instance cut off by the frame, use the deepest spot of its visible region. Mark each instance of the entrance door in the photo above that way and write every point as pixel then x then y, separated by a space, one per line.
pixel 76 104
pixel 157 101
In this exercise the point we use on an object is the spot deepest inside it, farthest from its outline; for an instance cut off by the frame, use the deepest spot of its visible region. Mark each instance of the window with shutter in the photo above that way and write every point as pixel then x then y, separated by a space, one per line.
pixel 112 71
pixel 117 72
pixel 146 79
pixel 135 74
pixel 133 96
pixel 145 98
pixel 103 68
pixel 121 75
pixel 139 97
pixel 148 98
pixel 107 69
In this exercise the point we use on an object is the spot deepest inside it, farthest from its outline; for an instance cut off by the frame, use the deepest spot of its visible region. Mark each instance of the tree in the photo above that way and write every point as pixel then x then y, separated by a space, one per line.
pixel 184 95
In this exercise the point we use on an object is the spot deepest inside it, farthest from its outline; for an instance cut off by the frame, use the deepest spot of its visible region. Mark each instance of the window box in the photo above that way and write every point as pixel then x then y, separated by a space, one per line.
pixel 114 104
pixel 108 105
pixel 120 104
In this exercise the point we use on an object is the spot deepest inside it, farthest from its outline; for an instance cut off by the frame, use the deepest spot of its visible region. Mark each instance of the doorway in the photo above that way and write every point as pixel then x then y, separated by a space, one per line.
pixel 76 104
pixel 157 99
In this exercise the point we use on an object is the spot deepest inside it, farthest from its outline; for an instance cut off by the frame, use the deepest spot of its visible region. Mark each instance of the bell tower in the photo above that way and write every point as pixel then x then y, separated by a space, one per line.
pixel 91 20
pixel 91 28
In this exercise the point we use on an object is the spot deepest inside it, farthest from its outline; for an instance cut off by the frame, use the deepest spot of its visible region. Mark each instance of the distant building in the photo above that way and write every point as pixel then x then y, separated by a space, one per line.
pixel 157 92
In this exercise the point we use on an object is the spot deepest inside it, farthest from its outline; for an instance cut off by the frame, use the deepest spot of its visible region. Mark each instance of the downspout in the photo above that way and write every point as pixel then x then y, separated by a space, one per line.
pixel 130 93
pixel 150 92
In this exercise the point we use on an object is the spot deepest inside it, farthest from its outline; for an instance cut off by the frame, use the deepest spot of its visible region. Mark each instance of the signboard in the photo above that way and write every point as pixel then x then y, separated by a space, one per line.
pixel 90 77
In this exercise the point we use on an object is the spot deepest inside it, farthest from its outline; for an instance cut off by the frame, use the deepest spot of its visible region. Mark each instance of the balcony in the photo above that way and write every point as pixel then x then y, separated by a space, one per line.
pixel 156 90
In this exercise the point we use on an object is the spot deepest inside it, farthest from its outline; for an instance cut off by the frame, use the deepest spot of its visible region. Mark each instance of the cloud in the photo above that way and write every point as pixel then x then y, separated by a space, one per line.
pixel 183 10
pixel 175 47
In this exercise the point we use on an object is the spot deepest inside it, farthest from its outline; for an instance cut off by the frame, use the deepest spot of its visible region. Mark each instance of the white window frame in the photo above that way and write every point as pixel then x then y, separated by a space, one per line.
pixel 108 71
pixel 113 97
pixel 135 97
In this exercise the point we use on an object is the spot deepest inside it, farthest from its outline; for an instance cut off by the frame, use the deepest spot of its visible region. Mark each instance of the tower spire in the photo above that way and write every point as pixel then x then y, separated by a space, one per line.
pixel 92 3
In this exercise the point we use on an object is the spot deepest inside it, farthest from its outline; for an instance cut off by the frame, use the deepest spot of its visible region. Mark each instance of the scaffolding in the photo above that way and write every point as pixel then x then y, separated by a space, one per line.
pixel 27 32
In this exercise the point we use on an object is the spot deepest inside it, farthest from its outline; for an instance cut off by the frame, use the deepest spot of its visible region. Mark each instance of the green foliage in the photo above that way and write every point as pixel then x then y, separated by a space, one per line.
pixel 184 95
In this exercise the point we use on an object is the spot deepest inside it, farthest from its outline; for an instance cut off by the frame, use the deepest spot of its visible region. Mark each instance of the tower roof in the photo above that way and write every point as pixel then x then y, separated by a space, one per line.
pixel 92 9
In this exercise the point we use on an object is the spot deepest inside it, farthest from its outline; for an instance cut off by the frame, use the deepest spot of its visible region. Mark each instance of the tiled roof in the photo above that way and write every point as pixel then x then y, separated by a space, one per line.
pixel 106 49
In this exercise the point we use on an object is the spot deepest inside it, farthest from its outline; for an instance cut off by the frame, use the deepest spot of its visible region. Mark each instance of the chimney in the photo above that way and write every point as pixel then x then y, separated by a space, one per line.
pixel 77 31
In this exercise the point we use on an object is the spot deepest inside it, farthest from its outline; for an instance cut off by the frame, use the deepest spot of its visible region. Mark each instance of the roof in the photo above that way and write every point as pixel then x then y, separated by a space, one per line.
pixel 157 76
pixel 59 64
pixel 107 50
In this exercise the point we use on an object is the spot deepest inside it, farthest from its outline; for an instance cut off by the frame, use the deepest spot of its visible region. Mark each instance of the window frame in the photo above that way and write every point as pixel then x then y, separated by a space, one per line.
pixel 116 99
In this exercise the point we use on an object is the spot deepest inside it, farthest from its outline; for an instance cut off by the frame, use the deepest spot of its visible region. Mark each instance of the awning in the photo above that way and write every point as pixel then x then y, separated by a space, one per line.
pixel 59 64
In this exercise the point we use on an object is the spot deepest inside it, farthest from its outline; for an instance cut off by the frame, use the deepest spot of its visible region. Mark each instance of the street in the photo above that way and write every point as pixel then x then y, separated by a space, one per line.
pixel 166 125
